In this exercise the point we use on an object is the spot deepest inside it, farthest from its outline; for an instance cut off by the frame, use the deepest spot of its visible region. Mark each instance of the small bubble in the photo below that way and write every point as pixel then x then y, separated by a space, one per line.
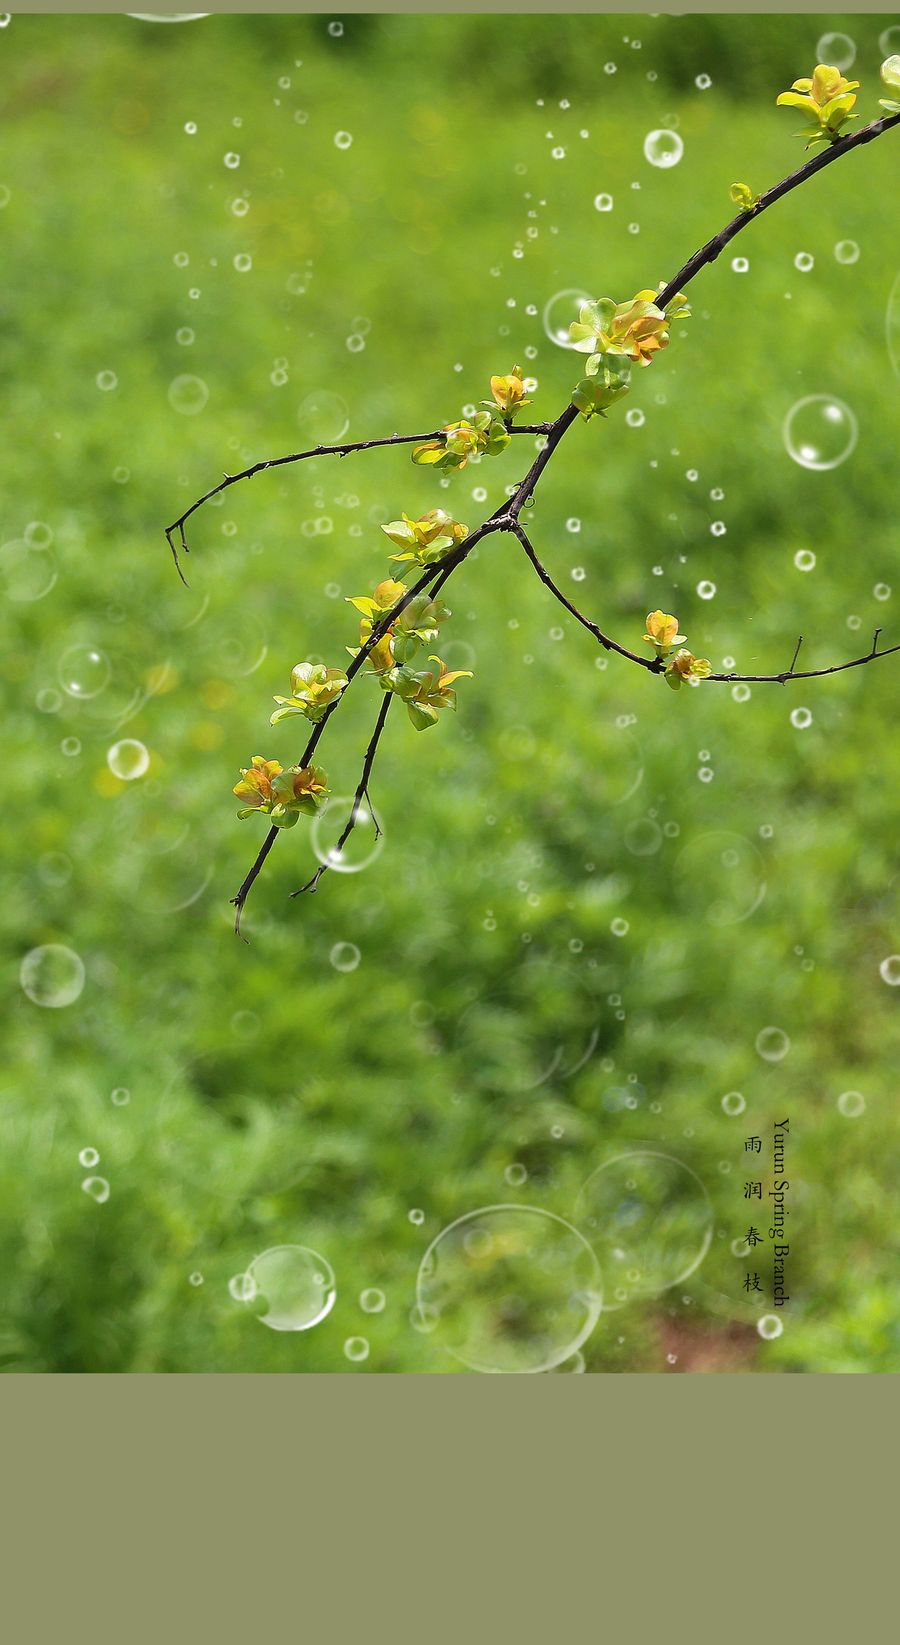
pixel 703 82
pixel 847 251
pixel 740 265
pixel 663 148
pixel 733 1103
pixel 88 1158
pixel 769 1326
pixel 804 559
pixel 889 969
pixel 851 1104
pixel 372 1300
pixel 196 1278
pixel 121 1096
pixel 635 418
pixel 706 590
pixel 882 591
pixel 801 718
pixel 53 975
pixel 804 262
pixel 128 759
pixel 356 1349
pixel 619 928
pixel 97 1187
pixel 342 140
pixel 416 1217
pixel 772 1044
pixel 242 1287
pixel 603 202
pixel 106 380
pixel 232 161
pixel 515 1175
pixel 345 956
pixel 242 262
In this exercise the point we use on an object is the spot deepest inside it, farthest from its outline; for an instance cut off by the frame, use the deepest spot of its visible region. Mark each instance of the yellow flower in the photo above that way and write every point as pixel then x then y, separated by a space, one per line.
pixel 425 691
pixel 637 329
pixel 314 687
pixel 384 597
pixel 685 666
pixel 662 632
pixel 424 540
pixel 827 97
pixel 743 196
pixel 255 787
pixel 302 788
pixel 508 392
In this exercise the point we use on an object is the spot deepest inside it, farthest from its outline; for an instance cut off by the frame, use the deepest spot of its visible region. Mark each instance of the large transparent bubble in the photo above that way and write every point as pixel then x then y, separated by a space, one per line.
pixel 52 975
pixel 290 1288
pixel 820 431
pixel 721 876
pixel 509 1288
pixel 649 1220
pixel 559 312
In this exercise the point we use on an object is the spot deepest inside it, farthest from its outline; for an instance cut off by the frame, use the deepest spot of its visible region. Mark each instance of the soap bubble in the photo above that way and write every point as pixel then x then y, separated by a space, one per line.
pixel 323 417
pixel 356 1349
pixel 772 1044
pixel 804 261
pixel 560 311
pixel 721 876
pixel 510 1288
pixel 128 759
pixel 603 202
pixel 168 17
pixel 345 956
pixel 889 41
pixel 188 394
pixel 838 50
pixel 851 1104
pixel 890 970
pixel 28 570
pixel 846 251
pixel 733 1103
pixel 88 1158
pixel 362 847
pixel 804 559
pixel 820 431
pixel 242 1287
pixel 97 1187
pixel 801 718
pixel 649 1220
pixel 663 148
pixel 342 139
pixel 294 1285
pixel 52 975
pixel 769 1326
pixel 371 1301
pixel 84 672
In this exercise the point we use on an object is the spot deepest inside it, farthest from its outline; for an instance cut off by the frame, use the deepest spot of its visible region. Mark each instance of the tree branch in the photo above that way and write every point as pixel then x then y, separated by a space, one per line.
pixel 361 791
pixel 506 517
pixel 299 457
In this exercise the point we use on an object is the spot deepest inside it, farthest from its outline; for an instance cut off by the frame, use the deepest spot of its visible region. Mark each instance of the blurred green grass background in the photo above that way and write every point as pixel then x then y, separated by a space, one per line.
pixel 497 1041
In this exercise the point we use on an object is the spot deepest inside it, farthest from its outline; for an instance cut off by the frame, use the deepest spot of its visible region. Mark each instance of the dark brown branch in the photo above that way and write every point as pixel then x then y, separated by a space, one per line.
pixel 361 792
pixel 793 673
pixel 299 457
pixel 654 666
pixel 714 247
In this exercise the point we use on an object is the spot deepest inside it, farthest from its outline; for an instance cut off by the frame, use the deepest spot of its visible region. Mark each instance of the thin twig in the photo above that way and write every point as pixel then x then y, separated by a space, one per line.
pixel 654 667
pixel 299 457
pixel 361 793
